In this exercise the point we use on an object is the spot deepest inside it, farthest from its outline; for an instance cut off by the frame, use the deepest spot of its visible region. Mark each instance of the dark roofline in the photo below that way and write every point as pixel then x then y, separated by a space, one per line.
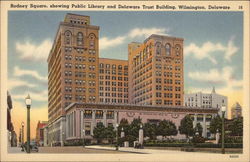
pixel 76 14
pixel 164 36
pixel 111 59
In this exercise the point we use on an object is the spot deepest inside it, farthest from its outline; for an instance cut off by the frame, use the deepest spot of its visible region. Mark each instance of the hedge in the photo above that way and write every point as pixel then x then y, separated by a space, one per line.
pixel 198 145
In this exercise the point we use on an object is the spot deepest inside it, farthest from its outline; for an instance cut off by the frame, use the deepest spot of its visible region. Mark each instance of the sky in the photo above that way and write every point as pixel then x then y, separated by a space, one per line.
pixel 213 51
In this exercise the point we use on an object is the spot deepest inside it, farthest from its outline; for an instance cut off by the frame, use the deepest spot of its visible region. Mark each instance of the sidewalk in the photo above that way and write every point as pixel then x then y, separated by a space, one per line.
pixel 16 150
pixel 142 151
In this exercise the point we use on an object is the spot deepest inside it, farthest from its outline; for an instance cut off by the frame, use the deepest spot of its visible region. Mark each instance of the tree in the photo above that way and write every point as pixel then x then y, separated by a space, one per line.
pixel 237 127
pixel 134 127
pixel 186 126
pixel 99 132
pixel 125 125
pixel 150 130
pixel 198 128
pixel 216 123
pixel 110 133
pixel 167 128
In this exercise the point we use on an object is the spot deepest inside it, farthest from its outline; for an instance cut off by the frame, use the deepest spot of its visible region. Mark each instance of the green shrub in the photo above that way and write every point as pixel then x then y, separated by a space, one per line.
pixel 75 142
pixel 197 145
pixel 233 139
pixel 198 139
pixel 212 145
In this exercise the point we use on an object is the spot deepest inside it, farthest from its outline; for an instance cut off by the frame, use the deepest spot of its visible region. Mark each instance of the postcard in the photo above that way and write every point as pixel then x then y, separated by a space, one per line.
pixel 124 81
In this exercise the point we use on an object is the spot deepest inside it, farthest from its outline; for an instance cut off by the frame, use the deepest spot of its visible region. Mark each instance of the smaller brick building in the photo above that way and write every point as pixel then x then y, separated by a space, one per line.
pixel 39 132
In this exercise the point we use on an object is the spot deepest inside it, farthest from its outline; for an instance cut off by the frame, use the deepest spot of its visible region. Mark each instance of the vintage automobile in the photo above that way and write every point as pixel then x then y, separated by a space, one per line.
pixel 33 146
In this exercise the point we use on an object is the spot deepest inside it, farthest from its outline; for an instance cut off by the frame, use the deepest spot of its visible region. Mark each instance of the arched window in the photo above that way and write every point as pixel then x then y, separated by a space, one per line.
pixel 177 49
pixel 158 48
pixel 67 35
pixel 168 49
pixel 92 41
pixel 79 39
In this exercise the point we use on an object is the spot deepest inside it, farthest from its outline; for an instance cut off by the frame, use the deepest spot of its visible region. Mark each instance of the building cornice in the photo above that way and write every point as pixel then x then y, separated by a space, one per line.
pixel 141 107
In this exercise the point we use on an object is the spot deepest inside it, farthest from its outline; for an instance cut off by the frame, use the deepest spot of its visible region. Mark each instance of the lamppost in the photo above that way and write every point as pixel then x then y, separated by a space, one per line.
pixel 28 105
pixel 83 142
pixel 22 139
pixel 223 110
pixel 116 148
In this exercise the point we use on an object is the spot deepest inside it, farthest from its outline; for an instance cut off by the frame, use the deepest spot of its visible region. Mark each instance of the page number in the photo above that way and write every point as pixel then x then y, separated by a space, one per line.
pixel 240 7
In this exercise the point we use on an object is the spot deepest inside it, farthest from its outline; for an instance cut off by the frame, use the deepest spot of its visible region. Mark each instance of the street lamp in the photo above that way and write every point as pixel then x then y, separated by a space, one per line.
pixel 116 148
pixel 83 142
pixel 22 139
pixel 28 105
pixel 223 110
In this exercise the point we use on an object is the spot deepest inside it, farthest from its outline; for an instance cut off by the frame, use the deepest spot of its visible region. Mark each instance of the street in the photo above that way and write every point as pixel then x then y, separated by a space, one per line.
pixel 68 149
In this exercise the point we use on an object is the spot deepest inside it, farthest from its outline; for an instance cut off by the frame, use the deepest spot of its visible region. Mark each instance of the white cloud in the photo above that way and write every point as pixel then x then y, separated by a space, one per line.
pixel 106 42
pixel 21 72
pixel 13 83
pixel 215 76
pixel 34 52
pixel 42 96
pixel 207 49
pixel 231 49
pixel 146 32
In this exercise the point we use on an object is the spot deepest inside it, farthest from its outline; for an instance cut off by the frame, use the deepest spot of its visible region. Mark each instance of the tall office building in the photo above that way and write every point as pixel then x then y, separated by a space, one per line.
pixel 113 80
pixel 72 67
pixel 156 71
pixel 206 100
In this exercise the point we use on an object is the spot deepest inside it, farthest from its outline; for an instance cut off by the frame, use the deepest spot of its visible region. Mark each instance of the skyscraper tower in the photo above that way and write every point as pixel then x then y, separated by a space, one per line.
pixel 72 66
pixel 156 71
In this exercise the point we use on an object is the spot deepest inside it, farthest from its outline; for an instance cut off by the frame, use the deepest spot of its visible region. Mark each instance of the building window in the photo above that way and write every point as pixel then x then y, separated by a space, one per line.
pixel 158 48
pixel 99 114
pixel 110 115
pixel 168 49
pixel 68 37
pixel 79 39
pixel 87 128
pixel 88 114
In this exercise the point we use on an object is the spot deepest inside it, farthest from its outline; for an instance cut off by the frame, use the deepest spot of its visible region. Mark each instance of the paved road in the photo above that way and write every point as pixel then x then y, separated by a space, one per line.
pixel 77 149
pixel 15 150
pixel 69 149
pixel 148 150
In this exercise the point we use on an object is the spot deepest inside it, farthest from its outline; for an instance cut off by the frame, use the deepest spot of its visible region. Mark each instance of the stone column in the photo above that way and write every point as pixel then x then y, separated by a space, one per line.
pixel 195 119
pixel 81 125
pixel 204 131
pixel 71 125
pixel 116 118
pixel 141 136
pixel 63 129
pixel 67 126
pixel 74 127
pixel 92 122
pixel 105 118
pixel 217 136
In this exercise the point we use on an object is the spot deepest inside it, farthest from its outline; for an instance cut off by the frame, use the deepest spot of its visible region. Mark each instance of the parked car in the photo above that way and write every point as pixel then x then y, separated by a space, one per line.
pixel 33 146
